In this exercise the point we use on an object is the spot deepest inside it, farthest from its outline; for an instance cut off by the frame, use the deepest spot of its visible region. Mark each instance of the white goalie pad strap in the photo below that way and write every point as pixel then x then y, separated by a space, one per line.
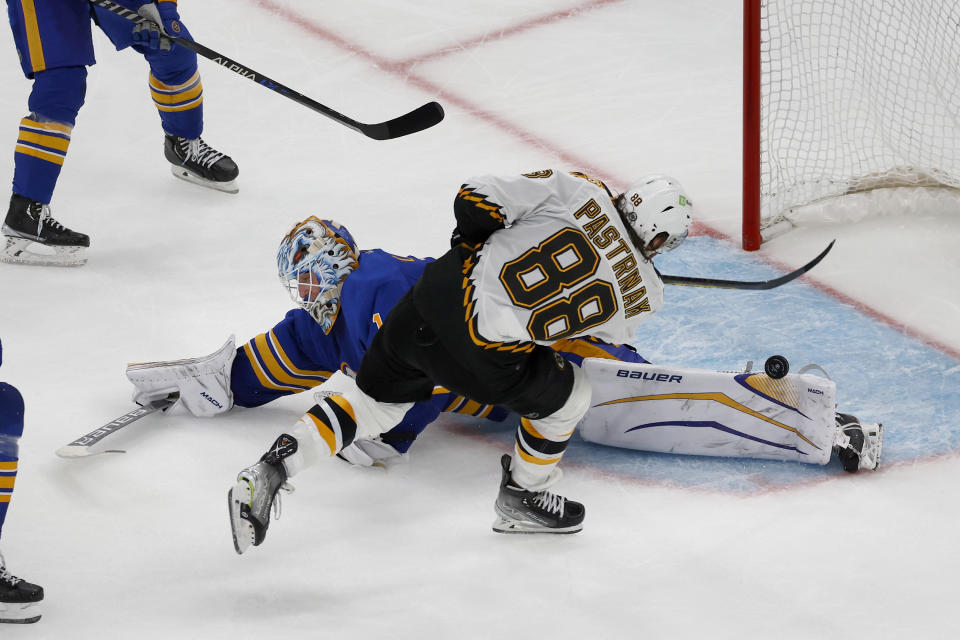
pixel 710 413
pixel 203 383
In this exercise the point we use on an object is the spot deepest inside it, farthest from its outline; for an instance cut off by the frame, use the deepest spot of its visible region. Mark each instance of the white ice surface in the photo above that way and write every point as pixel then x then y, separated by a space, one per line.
pixel 138 545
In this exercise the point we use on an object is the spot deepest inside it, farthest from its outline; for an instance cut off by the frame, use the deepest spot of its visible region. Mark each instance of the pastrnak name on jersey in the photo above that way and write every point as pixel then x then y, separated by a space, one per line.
pixel 605 235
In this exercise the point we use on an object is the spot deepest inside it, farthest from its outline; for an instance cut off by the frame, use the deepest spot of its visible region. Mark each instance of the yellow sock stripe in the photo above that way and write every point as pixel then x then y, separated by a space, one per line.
pixel 532 460
pixel 53 142
pixel 470 408
pixel 720 398
pixel 34 45
pixel 265 382
pixel 276 368
pixel 156 85
pixel 56 127
pixel 49 156
pixel 8 466
pixel 6 482
pixel 4 497
pixel 175 98
pixel 325 431
pixel 184 107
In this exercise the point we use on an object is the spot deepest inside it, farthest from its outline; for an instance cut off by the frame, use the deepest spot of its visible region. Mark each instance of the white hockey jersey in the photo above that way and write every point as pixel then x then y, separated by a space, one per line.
pixel 564 265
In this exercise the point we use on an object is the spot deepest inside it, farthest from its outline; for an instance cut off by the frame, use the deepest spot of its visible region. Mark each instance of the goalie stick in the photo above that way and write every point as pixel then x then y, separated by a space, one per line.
pixel 423 117
pixel 80 448
pixel 739 284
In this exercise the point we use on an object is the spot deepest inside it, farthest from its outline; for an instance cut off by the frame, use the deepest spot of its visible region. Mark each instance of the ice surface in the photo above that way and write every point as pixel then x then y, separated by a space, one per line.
pixel 138 545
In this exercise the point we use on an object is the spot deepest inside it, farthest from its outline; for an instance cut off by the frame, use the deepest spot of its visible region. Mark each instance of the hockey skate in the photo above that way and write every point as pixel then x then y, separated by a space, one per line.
pixel 32 236
pixel 19 600
pixel 256 493
pixel 858 444
pixel 522 511
pixel 197 162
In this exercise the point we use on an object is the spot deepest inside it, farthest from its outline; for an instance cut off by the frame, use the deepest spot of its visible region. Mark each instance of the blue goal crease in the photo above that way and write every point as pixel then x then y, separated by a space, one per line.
pixel 882 375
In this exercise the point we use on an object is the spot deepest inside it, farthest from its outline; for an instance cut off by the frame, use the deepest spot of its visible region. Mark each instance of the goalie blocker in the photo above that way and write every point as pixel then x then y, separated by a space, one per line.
pixel 712 413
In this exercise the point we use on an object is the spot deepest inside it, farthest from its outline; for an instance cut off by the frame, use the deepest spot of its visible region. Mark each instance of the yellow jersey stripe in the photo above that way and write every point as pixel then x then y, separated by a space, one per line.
pixel 274 366
pixel 8 466
pixel 34 45
pixel 4 497
pixel 265 382
pixel 288 363
pixel 6 482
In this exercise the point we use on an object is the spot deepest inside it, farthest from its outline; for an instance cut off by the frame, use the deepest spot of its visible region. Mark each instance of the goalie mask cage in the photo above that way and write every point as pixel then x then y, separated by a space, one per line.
pixel 844 97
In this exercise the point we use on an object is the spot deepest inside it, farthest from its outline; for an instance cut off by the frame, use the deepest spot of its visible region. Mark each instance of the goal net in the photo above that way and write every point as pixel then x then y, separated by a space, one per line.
pixel 846 97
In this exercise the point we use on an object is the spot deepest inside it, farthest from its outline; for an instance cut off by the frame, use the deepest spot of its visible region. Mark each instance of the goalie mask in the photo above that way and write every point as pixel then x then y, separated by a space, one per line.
pixel 658 212
pixel 313 261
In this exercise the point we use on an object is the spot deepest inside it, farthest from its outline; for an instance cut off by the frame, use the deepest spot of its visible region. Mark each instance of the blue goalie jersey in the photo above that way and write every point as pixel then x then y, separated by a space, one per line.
pixel 296 355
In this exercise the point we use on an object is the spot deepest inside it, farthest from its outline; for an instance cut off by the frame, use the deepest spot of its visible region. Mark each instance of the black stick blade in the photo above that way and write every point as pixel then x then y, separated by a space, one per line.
pixel 421 118
pixel 737 284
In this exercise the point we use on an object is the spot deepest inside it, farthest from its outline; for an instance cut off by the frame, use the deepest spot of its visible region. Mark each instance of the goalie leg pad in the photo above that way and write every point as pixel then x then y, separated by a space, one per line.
pixel 710 413
pixel 202 383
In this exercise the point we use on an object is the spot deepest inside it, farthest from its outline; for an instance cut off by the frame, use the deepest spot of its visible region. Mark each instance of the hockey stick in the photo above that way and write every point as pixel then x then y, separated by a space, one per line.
pixel 738 284
pixel 421 118
pixel 80 448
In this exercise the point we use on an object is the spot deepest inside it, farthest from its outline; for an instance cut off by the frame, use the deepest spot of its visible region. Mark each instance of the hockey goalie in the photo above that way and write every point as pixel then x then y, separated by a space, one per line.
pixel 711 413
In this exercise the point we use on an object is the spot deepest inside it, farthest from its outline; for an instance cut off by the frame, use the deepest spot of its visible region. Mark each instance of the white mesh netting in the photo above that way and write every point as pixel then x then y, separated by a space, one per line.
pixel 857 95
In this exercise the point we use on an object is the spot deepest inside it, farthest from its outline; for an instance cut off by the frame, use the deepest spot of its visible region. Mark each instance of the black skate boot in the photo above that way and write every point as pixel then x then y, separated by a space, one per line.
pixel 522 511
pixel 29 226
pixel 19 600
pixel 197 162
pixel 858 444
pixel 255 494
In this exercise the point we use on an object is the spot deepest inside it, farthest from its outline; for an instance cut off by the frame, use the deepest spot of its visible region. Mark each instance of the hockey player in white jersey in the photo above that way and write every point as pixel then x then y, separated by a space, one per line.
pixel 536 258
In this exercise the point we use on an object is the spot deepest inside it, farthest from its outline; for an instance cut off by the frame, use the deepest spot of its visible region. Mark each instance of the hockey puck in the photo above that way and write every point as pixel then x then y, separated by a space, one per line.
pixel 776 367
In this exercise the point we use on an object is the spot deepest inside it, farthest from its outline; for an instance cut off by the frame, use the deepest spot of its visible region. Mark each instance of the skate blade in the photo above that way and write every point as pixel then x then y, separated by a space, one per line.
pixel 189 176
pixel 20 251
pixel 508 525
pixel 243 533
pixel 19 612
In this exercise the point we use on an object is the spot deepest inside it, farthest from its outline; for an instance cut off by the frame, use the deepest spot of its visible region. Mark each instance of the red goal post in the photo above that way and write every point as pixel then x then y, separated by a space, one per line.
pixel 845 97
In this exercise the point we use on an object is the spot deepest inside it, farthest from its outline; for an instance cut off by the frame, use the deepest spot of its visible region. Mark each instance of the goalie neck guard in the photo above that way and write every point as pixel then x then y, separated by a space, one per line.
pixel 313 261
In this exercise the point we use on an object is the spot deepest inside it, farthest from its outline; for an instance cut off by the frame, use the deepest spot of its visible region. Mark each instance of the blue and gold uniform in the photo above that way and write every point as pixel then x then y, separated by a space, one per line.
pixel 11 428
pixel 55 45
pixel 297 355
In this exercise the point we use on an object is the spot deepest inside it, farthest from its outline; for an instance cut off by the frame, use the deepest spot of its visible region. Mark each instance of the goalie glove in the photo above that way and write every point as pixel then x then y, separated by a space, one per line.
pixel 203 383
